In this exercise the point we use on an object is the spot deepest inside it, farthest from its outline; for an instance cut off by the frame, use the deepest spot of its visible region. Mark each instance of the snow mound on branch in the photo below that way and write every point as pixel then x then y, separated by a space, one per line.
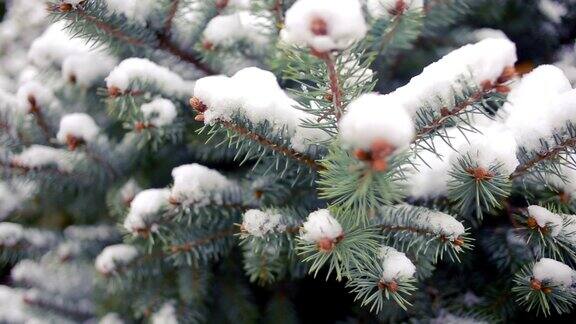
pixel 37 156
pixel 147 72
pixel 137 10
pixel 111 318
pixel 529 111
pixel 88 69
pixel 546 219
pixel 320 225
pixel 491 146
pixel 77 125
pixel 10 234
pixel 166 314
pixel 324 25
pixel 482 61
pixel 553 271
pixel 396 265
pixel 241 96
pixel 384 8
pixel 374 117
pixel 115 256
pixel 55 44
pixel 34 92
pixel 226 29
pixel 145 209
pixel 260 223
pixel 197 185
pixel 430 179
pixel 159 112
pixel 13 194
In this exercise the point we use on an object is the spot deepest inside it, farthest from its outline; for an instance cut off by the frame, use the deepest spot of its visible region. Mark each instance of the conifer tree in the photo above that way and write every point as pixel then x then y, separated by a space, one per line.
pixel 197 161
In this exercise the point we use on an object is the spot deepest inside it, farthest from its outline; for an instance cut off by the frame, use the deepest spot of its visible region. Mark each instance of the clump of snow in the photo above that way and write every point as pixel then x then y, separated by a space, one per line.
pixel 443 224
pixel 321 225
pixel 146 209
pixel 324 25
pixel 33 95
pixel 553 10
pixel 55 45
pixel 114 257
pixel 430 179
pixel 485 33
pixel 10 234
pixel 492 146
pixel 79 126
pixel 13 194
pixel 12 307
pixel 137 10
pixel 226 29
pixel 111 318
pixel 260 223
pixel 37 156
pixel 197 185
pixel 396 265
pixel 166 314
pixel 479 62
pixel 527 111
pixel 384 8
pixel 241 96
pixel 567 62
pixel 91 233
pixel 554 272
pixel 88 69
pixel 374 117
pixel 146 72
pixel 546 219
pixel 159 112
pixel 129 191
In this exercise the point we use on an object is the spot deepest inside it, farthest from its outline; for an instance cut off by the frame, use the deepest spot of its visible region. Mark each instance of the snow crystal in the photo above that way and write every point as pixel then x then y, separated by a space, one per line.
pixel 321 225
pixel 10 234
pixel 491 146
pixel 55 45
pixel 546 219
pixel 553 271
pixel 384 8
pixel 33 95
pixel 482 61
pixel 88 69
pixel 374 117
pixel 324 25
pixel 37 156
pixel 241 95
pixel 137 10
pixel 145 71
pixel 260 223
pixel 165 315
pixel 145 209
pixel 396 265
pixel 79 126
pixel 115 256
pixel 195 184
pixel 159 112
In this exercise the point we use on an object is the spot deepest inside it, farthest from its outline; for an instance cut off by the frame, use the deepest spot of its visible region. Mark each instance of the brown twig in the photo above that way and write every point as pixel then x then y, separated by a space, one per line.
pixel 170 18
pixel 288 152
pixel 188 246
pixel 548 155
pixel 335 90
pixel 278 14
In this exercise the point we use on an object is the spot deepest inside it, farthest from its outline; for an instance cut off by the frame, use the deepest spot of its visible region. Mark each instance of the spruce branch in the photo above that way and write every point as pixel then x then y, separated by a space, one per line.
pixel 163 41
pixel 262 140
pixel 191 245
pixel 174 4
pixel 548 155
